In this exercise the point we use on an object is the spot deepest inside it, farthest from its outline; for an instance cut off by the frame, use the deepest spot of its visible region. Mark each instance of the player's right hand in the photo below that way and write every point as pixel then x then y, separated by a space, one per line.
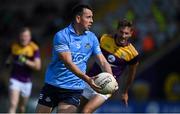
pixel 124 98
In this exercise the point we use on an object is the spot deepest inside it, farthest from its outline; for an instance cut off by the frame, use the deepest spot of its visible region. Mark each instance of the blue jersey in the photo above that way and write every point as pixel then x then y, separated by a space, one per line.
pixel 81 48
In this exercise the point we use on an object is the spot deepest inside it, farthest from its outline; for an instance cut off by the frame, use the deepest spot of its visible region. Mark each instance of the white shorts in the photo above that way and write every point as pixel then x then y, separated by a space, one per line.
pixel 23 87
pixel 88 93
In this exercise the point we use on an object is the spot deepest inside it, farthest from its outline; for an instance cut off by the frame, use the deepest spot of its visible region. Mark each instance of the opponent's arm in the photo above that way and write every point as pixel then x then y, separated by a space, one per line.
pixel 102 62
pixel 131 75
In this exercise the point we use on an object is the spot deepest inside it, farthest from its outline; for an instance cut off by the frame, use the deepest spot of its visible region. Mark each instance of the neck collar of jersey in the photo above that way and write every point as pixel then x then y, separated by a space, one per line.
pixel 71 28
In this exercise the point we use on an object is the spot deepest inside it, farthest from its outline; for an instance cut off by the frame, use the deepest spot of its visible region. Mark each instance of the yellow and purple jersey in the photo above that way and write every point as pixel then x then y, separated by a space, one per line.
pixel 117 56
pixel 20 71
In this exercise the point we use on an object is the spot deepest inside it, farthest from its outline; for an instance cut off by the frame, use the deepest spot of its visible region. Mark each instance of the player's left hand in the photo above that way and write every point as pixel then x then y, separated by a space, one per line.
pixel 124 98
pixel 93 85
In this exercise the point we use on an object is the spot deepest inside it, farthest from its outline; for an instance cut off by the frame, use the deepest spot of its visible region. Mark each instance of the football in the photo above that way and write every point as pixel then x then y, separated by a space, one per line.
pixel 107 82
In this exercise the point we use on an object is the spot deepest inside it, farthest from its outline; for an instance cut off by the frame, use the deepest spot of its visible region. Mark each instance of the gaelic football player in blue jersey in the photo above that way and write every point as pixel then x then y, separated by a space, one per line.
pixel 24 57
pixel 121 55
pixel 66 73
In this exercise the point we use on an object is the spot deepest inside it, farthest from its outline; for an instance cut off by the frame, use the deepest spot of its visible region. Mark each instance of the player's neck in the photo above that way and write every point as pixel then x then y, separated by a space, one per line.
pixel 79 30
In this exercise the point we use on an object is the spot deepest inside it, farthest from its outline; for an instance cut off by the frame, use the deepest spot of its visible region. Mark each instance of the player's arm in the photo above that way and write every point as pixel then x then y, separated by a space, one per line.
pixel 102 62
pixel 132 67
pixel 66 58
pixel 131 75
pixel 34 64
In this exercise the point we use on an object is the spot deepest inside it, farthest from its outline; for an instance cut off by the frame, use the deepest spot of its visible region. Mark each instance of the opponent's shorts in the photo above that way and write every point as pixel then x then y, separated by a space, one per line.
pixel 51 96
pixel 88 93
pixel 23 87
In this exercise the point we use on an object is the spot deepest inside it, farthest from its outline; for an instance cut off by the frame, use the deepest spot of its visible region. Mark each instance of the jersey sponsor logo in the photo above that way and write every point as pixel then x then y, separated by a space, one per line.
pixel 78 57
pixel 111 58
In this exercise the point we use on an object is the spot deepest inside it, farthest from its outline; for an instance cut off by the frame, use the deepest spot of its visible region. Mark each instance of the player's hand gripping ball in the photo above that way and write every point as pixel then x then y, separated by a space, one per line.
pixel 107 82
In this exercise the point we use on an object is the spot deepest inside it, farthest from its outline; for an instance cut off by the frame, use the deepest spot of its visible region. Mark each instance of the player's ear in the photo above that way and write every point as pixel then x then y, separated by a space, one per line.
pixel 78 19
pixel 131 33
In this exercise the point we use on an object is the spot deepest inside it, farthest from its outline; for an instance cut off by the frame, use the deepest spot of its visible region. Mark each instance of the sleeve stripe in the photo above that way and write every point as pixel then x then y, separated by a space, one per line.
pixel 61 47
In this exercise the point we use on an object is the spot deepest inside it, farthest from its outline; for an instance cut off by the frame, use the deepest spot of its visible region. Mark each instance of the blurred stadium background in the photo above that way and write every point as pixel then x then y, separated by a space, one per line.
pixel 157 38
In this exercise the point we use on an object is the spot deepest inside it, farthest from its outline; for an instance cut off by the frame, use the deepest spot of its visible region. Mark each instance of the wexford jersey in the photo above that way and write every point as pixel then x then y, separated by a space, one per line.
pixel 81 48
pixel 118 57
pixel 20 71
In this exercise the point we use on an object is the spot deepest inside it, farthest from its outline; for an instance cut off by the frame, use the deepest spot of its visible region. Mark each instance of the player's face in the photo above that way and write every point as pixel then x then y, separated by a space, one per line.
pixel 25 37
pixel 86 19
pixel 124 34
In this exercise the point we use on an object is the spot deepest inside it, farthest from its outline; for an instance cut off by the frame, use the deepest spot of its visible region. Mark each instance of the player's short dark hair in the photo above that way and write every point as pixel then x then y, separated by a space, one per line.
pixel 124 23
pixel 78 9
pixel 23 29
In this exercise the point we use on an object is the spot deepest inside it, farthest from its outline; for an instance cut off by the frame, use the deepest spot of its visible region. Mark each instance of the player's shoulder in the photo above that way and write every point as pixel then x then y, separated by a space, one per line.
pixel 106 38
pixel 105 35
pixel 14 45
pixel 61 33
pixel 131 45
pixel 34 45
pixel 90 33
pixel 61 36
pixel 133 49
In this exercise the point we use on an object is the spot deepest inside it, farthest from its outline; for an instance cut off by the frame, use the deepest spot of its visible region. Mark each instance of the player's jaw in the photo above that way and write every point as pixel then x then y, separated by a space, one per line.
pixel 25 38
pixel 88 26
pixel 123 35
pixel 121 41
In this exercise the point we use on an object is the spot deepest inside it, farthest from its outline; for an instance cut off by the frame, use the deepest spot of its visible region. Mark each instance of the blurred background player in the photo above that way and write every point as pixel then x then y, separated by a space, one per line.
pixel 121 55
pixel 24 57
pixel 65 75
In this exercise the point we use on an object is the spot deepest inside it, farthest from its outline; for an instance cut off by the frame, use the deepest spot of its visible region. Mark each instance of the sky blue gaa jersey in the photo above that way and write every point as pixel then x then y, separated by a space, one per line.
pixel 81 48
